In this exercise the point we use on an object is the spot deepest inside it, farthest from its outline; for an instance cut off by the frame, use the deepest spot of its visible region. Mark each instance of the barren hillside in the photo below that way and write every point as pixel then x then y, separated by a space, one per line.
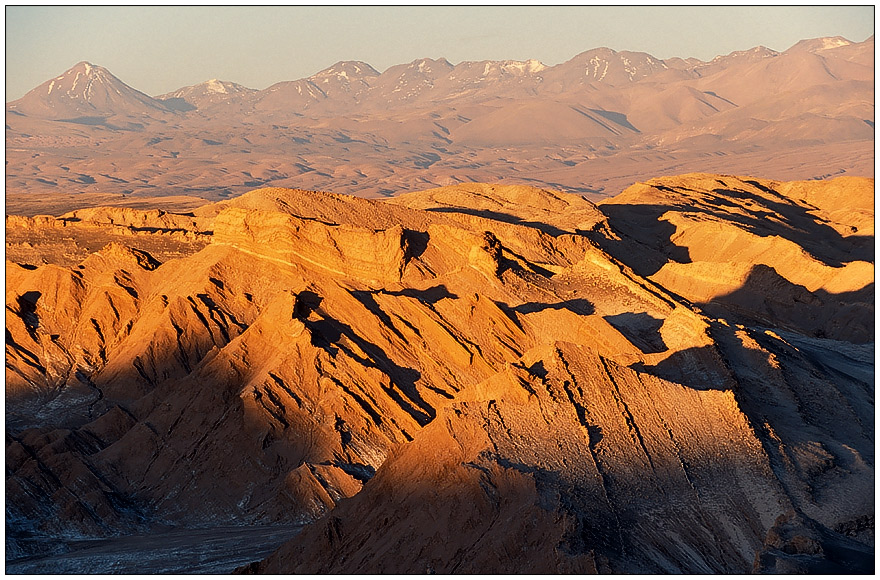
pixel 477 379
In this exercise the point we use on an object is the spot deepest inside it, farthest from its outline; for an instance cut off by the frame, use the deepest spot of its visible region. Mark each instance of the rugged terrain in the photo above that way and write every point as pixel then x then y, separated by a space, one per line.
pixel 477 378
pixel 592 125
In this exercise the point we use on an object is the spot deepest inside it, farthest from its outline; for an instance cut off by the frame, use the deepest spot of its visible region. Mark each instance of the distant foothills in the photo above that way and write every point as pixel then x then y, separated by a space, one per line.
pixel 592 125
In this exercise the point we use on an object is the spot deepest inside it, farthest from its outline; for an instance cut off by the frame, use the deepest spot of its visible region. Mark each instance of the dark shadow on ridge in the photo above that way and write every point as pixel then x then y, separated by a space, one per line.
pixel 502 217
pixel 327 332
pixel 178 104
pixel 698 368
pixel 430 295
pixel 416 244
pixel 646 244
pixel 768 299
pixel 642 224
pixel 641 329
pixel 27 307
pixel 579 306
pixel 618 118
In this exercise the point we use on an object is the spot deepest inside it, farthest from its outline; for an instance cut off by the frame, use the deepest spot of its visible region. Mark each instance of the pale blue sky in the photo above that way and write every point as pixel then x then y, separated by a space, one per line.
pixel 160 49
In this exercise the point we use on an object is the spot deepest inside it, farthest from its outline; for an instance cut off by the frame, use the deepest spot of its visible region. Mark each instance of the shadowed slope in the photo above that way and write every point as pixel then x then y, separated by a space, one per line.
pixel 768 250
pixel 474 386
pixel 563 457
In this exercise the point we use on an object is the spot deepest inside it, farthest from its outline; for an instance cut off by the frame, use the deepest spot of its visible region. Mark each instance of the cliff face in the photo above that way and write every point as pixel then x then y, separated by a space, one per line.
pixel 478 379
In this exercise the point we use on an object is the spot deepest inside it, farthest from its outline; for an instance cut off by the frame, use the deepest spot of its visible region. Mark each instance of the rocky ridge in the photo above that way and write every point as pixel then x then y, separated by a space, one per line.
pixel 481 378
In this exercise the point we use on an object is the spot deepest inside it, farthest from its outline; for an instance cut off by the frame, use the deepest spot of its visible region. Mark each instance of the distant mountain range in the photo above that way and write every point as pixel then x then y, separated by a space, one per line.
pixel 592 125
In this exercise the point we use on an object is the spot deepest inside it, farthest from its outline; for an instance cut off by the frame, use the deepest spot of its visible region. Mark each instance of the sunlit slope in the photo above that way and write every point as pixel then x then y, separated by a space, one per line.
pixel 497 378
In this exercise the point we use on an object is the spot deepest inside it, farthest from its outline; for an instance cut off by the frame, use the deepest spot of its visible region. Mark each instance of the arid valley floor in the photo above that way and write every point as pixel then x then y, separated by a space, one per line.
pixel 650 371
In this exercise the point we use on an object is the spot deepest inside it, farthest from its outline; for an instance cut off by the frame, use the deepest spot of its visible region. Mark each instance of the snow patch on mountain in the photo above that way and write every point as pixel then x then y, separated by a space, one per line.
pixel 216 86
pixel 833 42
pixel 530 66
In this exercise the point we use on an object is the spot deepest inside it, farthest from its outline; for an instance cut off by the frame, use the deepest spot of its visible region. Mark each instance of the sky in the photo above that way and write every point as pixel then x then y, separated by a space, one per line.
pixel 160 49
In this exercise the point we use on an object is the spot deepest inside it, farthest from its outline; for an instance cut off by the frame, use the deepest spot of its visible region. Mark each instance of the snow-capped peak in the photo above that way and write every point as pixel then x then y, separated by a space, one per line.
pixel 756 52
pixel 86 68
pixel 216 86
pixel 819 44
pixel 82 79
pixel 345 71
pixel 86 90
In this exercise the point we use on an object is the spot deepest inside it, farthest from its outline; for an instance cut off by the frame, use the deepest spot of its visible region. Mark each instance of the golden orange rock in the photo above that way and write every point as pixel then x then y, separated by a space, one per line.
pixel 471 379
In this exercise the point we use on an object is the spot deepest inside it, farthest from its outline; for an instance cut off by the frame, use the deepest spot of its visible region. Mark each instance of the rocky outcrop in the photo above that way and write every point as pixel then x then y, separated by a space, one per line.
pixel 347 251
pixel 69 239
pixel 548 211
pixel 443 390
pixel 580 464
pixel 798 546
pixel 771 252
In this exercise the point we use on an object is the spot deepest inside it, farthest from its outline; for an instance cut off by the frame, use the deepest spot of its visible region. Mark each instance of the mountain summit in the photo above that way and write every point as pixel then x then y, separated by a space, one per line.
pixel 819 44
pixel 593 124
pixel 86 91
pixel 204 94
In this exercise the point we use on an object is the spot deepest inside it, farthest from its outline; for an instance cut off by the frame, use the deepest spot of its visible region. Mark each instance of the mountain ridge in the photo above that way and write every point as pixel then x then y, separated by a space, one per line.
pixel 623 69
pixel 591 125
pixel 493 366
pixel 808 45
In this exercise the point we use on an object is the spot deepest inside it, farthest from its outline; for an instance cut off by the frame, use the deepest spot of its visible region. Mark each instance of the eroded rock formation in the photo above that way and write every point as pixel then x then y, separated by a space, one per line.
pixel 472 379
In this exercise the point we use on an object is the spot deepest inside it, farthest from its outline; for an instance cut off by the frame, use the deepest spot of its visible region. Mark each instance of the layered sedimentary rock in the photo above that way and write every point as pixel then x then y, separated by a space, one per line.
pixel 774 253
pixel 475 379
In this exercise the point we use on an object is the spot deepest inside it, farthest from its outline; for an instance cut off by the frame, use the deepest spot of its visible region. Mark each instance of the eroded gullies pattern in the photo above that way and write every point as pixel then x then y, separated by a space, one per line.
pixel 501 379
